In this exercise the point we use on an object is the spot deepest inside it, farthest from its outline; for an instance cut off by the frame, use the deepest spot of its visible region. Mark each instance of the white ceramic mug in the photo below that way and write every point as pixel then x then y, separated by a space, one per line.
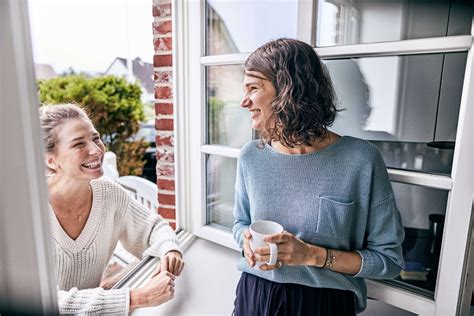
pixel 258 230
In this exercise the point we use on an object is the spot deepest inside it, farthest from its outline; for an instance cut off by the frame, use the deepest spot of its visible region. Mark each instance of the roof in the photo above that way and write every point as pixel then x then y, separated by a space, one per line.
pixel 142 71
pixel 44 71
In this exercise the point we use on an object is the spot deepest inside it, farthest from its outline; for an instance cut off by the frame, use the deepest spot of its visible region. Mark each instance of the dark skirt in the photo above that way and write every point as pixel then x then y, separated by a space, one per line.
pixel 258 297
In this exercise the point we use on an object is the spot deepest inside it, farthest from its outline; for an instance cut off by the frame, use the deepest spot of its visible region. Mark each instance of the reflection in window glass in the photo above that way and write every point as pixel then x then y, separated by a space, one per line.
pixel 366 21
pixel 430 157
pixel 242 26
pixel 423 212
pixel 228 123
pixel 413 102
pixel 220 173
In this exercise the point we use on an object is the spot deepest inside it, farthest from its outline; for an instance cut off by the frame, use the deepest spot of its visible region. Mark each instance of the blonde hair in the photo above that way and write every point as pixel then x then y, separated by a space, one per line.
pixel 53 116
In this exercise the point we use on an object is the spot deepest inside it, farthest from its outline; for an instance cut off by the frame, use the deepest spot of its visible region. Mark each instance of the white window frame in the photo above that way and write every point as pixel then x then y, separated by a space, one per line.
pixel 27 279
pixel 191 150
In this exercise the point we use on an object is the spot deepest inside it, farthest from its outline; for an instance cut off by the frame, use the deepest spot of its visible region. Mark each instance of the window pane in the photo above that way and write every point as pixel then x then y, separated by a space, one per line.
pixel 228 123
pixel 366 21
pixel 242 26
pixel 220 173
pixel 410 110
pixel 423 212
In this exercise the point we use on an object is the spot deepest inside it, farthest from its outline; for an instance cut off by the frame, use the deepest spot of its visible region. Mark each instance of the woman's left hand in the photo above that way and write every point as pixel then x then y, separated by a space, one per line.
pixel 291 251
pixel 172 262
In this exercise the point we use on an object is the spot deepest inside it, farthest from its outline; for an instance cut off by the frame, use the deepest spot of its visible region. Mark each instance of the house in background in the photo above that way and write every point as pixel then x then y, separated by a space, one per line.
pixel 142 73
pixel 44 71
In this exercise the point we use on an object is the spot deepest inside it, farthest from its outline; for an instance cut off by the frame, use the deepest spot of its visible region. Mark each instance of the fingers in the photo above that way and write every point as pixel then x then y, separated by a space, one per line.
pixel 180 268
pixel 169 290
pixel 278 238
pixel 168 285
pixel 173 263
pixel 166 274
pixel 266 267
pixel 248 253
pixel 176 266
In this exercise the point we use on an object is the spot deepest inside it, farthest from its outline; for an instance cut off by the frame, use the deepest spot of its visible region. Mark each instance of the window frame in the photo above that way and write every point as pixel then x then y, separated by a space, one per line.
pixel 192 148
pixel 26 264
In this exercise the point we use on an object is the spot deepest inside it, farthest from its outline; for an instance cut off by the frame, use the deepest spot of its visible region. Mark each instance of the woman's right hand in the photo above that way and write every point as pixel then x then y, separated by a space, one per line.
pixel 248 253
pixel 157 291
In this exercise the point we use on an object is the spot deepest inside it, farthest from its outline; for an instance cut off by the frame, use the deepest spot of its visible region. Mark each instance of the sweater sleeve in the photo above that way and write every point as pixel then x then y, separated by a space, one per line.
pixel 94 301
pixel 382 256
pixel 145 233
pixel 242 218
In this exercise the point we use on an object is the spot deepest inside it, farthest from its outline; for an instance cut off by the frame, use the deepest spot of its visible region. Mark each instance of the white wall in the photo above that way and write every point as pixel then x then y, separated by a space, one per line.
pixel 207 285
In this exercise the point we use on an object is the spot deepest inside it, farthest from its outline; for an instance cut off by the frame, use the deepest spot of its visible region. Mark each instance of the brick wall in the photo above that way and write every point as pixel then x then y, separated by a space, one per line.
pixel 163 62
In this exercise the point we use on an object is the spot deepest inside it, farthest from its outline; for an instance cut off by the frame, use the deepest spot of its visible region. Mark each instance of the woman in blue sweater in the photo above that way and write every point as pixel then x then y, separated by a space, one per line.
pixel 331 194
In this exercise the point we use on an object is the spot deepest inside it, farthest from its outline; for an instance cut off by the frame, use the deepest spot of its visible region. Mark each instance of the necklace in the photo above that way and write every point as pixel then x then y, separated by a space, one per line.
pixel 71 211
pixel 79 217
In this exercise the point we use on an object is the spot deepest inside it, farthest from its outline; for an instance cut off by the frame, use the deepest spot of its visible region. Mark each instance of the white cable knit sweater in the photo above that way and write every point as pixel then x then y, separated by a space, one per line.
pixel 80 263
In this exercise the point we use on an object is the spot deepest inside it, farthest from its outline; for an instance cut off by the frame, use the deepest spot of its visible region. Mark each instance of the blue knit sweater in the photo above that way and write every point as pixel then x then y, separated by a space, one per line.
pixel 339 197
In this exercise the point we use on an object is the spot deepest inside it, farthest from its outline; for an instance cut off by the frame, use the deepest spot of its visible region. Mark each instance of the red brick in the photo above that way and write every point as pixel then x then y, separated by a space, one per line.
pixel 164 170
pixel 164 140
pixel 163 154
pixel 173 225
pixel 166 184
pixel 163 77
pixel 162 27
pixel 164 124
pixel 169 213
pixel 164 108
pixel 163 93
pixel 163 60
pixel 163 44
pixel 162 9
pixel 166 199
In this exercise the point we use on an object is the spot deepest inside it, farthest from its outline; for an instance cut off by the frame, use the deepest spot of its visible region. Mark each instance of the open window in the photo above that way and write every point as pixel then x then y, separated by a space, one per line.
pixel 403 72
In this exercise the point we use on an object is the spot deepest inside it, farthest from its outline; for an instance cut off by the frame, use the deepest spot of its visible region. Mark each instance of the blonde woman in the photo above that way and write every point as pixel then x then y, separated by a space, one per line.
pixel 89 215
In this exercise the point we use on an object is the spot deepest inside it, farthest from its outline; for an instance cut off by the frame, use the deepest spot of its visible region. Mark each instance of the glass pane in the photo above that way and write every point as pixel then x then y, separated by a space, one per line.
pixel 410 110
pixel 423 212
pixel 344 22
pixel 228 123
pixel 242 26
pixel 220 173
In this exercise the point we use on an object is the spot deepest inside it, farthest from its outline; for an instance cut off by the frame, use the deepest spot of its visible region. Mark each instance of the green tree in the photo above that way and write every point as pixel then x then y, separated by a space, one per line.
pixel 115 108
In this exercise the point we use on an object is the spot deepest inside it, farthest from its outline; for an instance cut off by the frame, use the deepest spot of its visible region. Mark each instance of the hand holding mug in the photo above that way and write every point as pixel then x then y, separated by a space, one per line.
pixel 258 230
pixel 291 250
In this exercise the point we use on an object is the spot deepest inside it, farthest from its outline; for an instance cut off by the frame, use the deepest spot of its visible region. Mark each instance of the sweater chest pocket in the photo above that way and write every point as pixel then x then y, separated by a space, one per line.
pixel 335 217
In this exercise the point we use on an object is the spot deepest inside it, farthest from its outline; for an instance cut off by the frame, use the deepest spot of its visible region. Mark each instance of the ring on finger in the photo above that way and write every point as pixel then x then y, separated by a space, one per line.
pixel 279 264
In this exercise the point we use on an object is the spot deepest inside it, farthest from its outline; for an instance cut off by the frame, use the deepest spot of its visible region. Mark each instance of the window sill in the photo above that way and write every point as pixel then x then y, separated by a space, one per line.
pixel 142 271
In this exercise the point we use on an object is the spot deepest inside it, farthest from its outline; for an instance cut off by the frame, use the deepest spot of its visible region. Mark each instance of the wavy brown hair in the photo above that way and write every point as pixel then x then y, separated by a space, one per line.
pixel 305 102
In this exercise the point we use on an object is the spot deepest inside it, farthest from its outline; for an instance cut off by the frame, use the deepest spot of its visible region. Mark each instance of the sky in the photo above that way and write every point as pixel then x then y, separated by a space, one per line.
pixel 87 35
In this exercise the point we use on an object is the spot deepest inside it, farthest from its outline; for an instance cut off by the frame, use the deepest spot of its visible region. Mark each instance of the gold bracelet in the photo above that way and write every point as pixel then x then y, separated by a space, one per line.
pixel 325 259
pixel 331 257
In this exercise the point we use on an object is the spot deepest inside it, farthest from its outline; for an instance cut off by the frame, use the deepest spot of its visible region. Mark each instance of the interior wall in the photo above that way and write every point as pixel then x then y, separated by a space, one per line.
pixel 207 285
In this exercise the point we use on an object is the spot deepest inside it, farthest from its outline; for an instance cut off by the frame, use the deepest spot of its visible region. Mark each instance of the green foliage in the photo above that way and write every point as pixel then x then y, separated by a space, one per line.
pixel 114 106
pixel 215 107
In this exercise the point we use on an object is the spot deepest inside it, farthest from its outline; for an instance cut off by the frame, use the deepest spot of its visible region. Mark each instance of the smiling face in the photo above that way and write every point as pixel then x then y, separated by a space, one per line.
pixel 79 151
pixel 259 93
